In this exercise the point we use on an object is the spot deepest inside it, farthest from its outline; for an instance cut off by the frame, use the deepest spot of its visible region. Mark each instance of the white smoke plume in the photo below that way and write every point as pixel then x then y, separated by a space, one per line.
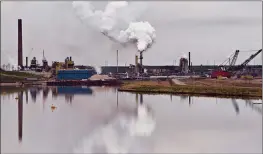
pixel 118 21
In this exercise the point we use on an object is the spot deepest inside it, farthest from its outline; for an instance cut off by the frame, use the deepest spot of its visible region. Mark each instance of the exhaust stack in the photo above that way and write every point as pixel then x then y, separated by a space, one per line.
pixel 189 61
pixel 141 66
pixel 26 62
pixel 20 44
pixel 136 63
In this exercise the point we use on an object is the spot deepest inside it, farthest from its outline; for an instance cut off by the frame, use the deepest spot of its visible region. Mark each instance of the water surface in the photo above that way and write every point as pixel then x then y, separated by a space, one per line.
pixel 90 120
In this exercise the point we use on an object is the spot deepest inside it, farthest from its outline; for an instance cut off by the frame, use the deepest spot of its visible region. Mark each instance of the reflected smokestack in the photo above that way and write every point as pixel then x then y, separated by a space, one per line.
pixel 117 98
pixel 141 98
pixel 20 115
pixel 189 100
pixel 136 98
pixel 26 96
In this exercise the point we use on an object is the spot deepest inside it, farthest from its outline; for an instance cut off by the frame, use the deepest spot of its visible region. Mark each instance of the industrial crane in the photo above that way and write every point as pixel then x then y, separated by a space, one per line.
pixel 231 70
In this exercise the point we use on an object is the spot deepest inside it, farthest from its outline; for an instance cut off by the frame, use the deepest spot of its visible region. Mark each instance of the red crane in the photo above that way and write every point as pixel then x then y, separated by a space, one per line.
pixel 228 71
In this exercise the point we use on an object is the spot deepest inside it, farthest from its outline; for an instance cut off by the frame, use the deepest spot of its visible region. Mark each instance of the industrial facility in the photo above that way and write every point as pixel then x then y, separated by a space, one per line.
pixel 67 70
pixel 226 69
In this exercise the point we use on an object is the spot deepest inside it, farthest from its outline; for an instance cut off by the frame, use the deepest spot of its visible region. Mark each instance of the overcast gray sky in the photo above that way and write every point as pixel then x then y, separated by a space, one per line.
pixel 209 30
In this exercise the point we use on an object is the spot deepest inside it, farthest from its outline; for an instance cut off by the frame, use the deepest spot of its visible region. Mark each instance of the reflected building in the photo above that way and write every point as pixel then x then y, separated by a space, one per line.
pixel 33 93
pixel 54 92
pixel 183 98
pixel 69 92
pixel 45 92
pixel 69 98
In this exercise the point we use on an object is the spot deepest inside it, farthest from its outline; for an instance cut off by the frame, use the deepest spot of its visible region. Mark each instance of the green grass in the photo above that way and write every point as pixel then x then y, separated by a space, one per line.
pixel 15 76
pixel 224 91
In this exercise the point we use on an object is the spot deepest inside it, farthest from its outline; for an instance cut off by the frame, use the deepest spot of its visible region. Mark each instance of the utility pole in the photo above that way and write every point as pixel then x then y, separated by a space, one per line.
pixel 117 61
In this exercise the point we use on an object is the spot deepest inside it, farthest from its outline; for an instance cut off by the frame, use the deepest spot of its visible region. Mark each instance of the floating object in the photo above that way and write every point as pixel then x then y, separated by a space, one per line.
pixel 53 107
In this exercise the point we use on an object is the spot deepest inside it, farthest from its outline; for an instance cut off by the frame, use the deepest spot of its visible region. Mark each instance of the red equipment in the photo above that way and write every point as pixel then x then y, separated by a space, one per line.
pixel 228 71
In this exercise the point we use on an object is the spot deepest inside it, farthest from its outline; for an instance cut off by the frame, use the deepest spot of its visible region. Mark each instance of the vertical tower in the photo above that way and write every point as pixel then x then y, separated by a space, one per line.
pixel 20 44
pixel 189 61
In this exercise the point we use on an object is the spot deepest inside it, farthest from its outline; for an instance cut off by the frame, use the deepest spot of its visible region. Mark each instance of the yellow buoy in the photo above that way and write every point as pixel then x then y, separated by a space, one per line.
pixel 53 107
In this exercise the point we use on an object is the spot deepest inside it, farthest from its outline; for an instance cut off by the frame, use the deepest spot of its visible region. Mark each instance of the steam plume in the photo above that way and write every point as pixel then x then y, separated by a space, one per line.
pixel 118 21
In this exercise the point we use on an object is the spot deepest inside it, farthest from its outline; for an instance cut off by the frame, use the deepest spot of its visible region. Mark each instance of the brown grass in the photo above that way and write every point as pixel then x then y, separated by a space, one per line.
pixel 218 90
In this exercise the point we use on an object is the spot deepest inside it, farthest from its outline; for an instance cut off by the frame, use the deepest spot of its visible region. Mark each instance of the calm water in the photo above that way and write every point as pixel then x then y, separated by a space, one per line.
pixel 89 120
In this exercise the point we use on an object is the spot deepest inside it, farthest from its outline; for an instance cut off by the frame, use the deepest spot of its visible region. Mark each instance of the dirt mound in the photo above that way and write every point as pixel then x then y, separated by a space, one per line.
pixel 101 77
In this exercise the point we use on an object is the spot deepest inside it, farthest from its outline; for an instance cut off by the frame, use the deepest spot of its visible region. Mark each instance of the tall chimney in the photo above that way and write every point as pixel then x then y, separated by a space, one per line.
pixel 141 57
pixel 26 62
pixel 20 44
pixel 136 63
pixel 189 61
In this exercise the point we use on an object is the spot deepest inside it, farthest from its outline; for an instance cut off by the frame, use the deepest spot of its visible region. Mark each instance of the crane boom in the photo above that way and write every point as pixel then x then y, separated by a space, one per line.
pixel 234 59
pixel 248 60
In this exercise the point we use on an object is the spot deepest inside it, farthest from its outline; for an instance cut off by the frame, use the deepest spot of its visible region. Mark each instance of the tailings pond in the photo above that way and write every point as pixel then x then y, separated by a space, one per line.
pixel 102 120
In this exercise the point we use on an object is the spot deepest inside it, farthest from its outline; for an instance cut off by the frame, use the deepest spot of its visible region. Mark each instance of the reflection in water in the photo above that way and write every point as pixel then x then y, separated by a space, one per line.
pixel 26 92
pixel 253 106
pixel 183 98
pixel 189 100
pixel 129 124
pixel 120 134
pixel 235 104
pixel 33 93
pixel 141 99
pixel 117 98
pixel 45 92
pixel 68 92
pixel 20 115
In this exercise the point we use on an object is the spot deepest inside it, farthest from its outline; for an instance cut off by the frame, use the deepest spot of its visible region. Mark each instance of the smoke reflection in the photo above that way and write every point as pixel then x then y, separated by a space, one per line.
pixel 120 134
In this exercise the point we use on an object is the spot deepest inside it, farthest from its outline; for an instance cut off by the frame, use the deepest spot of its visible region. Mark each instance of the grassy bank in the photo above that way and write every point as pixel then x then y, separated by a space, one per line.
pixel 15 76
pixel 198 90
pixel 11 89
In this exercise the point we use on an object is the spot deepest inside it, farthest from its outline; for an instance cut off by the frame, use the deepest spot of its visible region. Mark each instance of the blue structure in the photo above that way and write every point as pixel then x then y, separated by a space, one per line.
pixel 75 74
pixel 74 90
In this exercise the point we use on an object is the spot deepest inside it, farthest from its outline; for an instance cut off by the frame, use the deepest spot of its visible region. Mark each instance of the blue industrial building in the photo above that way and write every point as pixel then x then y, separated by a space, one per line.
pixel 75 74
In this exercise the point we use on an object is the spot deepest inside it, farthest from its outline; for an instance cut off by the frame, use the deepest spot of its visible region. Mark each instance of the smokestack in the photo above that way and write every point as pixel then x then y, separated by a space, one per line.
pixel 20 44
pixel 141 57
pixel 26 62
pixel 136 63
pixel 70 58
pixel 189 61
pixel 136 60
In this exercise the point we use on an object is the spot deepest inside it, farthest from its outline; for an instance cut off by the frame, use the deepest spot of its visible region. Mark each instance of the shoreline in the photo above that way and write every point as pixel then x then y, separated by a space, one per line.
pixel 190 94
pixel 149 87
